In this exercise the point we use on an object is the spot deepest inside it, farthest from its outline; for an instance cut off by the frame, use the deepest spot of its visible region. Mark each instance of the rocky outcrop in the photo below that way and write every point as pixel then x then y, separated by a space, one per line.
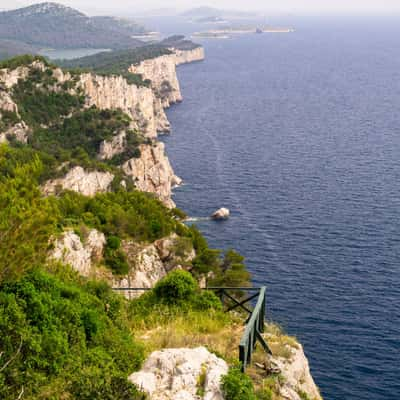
pixel 84 182
pixel 221 214
pixel 153 173
pixel 151 263
pixel 297 379
pixel 9 78
pixel 139 102
pixel 19 131
pixel 70 250
pixel 181 374
pixel 162 73
pixel 110 148
pixel 148 263
pixel 188 56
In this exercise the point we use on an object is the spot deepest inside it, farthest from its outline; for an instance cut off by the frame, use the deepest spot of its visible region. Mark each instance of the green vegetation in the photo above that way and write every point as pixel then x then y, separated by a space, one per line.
pixel 65 339
pixel 114 257
pixel 84 130
pixel 7 119
pixel 237 385
pixel 40 99
pixel 303 395
pixel 54 26
pixel 19 61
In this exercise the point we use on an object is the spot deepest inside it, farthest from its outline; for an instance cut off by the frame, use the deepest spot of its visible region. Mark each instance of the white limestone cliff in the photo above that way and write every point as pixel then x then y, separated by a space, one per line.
pixel 175 374
pixel 70 250
pixel 188 56
pixel 161 71
pixel 297 379
pixel 152 172
pixel 84 182
pixel 110 148
pixel 139 102
pixel 164 81
pixel 150 263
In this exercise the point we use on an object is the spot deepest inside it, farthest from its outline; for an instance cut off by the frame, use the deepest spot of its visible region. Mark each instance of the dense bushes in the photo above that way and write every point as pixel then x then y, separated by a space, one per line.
pixel 84 130
pixel 237 385
pixel 124 214
pixel 177 292
pixel 7 119
pixel 178 286
pixel 64 339
pixel 114 257
pixel 39 105
pixel 19 61
pixel 27 220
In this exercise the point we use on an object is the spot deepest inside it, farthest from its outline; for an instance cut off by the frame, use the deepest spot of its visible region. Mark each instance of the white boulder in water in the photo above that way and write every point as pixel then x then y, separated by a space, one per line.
pixel 221 214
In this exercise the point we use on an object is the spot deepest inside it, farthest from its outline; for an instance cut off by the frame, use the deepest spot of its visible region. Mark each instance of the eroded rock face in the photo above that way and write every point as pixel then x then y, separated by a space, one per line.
pixel 297 376
pixel 70 250
pixel 162 73
pixel 188 56
pixel 19 131
pixel 114 92
pixel 84 182
pixel 173 374
pixel 153 173
pixel 151 263
pixel 110 148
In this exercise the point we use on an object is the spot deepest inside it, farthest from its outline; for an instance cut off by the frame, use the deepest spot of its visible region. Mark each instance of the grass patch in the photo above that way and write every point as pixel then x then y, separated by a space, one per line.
pixel 280 344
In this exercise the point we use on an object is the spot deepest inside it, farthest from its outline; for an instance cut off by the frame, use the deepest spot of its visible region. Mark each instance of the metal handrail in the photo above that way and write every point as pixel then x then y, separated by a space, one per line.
pixel 254 329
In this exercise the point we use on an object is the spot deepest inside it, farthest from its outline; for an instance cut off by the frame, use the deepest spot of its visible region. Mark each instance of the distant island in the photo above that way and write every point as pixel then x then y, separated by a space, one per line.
pixel 226 32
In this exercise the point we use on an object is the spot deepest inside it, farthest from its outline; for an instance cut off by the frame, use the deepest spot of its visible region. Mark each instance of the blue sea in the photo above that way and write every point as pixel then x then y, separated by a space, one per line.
pixel 299 136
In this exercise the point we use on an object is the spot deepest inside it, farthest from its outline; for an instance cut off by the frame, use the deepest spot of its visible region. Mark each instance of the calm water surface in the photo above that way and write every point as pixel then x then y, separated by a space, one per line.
pixel 299 135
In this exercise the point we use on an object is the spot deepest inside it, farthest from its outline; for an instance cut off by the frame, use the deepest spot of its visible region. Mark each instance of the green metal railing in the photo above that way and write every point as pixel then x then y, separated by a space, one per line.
pixel 254 323
pixel 254 329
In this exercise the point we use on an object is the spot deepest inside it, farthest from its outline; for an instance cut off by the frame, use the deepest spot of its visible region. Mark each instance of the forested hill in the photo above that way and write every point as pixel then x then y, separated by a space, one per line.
pixel 57 26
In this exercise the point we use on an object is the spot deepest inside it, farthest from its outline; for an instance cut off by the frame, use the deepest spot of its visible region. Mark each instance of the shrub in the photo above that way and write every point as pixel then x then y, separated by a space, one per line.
pixel 18 61
pixel 237 386
pixel 114 257
pixel 207 300
pixel 64 341
pixel 178 286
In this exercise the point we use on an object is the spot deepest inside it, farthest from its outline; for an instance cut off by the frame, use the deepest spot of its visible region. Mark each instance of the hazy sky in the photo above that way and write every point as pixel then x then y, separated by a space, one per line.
pixel 272 6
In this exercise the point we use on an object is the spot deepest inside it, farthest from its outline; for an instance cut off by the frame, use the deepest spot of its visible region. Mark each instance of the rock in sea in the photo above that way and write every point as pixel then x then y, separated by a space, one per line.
pixel 221 214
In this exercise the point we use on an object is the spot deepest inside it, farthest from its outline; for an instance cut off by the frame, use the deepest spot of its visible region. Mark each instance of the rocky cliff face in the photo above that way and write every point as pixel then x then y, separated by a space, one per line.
pixel 153 173
pixel 164 81
pixel 188 56
pixel 77 179
pixel 297 377
pixel 70 250
pixel 162 73
pixel 139 102
pixel 148 262
pixel 174 374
